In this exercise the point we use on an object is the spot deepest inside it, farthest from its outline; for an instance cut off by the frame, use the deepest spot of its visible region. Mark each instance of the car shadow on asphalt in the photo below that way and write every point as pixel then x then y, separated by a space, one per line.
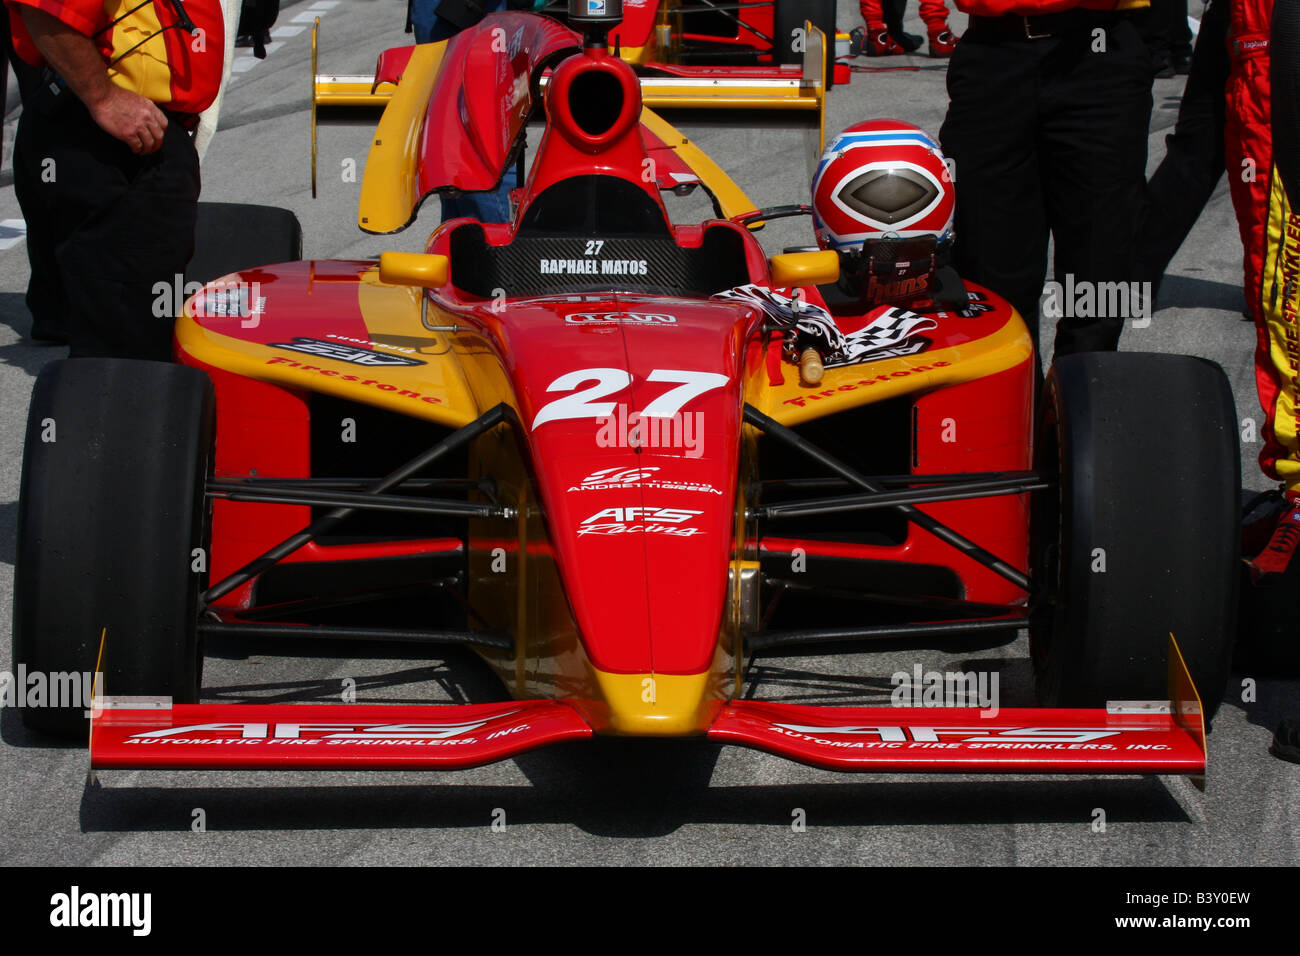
pixel 448 682
pixel 1275 698
pixel 624 789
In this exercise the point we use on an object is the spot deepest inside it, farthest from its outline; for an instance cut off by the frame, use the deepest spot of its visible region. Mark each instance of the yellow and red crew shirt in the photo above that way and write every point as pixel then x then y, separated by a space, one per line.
pixel 143 44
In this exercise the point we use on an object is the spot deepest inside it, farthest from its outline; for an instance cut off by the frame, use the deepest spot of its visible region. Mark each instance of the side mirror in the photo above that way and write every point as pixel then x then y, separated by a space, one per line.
pixel 805 268
pixel 414 268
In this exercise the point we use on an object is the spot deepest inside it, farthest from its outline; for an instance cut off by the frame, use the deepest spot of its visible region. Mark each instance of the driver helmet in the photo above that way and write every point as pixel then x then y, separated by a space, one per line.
pixel 883 199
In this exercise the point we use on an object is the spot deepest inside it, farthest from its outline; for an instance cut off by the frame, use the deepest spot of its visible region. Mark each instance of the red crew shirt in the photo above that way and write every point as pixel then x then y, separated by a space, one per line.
pixel 144 48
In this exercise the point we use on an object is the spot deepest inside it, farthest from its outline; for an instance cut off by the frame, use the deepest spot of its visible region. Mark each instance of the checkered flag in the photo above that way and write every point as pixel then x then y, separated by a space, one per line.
pixel 891 333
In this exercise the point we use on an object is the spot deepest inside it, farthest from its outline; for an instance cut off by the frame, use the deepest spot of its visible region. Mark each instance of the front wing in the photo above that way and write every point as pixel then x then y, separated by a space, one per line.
pixel 1125 740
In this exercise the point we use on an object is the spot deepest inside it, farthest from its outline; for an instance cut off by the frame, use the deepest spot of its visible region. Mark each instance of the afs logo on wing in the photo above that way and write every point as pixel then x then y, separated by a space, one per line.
pixel 284 732
pixel 905 735
pixel 344 353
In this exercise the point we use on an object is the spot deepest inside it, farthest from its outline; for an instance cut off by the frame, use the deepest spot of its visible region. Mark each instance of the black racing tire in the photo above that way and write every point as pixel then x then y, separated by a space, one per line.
pixel 110 512
pixel 1143 452
pixel 229 237
pixel 790 15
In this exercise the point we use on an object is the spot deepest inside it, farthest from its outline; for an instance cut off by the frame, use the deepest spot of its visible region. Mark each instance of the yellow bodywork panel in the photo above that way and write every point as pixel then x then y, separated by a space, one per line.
pixel 336 89
pixel 389 195
pixel 659 705
pixel 805 268
pixel 849 386
pixel 436 390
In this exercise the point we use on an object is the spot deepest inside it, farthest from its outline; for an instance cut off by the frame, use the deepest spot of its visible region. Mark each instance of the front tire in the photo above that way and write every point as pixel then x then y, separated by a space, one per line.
pixel 111 510
pixel 1139 537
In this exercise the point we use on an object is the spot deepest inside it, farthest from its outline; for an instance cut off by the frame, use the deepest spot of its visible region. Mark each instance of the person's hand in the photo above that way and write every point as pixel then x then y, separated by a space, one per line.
pixel 131 118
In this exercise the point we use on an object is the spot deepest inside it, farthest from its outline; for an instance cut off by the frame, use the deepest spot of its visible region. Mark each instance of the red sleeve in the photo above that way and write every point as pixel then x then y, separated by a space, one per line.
pixel 84 16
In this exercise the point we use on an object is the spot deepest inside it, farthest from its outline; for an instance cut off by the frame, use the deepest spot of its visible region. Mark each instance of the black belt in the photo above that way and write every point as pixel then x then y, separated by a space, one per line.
pixel 187 121
pixel 1014 26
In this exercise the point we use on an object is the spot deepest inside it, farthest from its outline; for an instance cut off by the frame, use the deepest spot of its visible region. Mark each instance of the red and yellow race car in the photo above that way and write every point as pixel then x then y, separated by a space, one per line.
pixel 599 451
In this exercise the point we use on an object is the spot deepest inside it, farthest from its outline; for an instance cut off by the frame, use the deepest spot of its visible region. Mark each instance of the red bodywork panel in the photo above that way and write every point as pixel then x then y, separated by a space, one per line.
pixel 684 500
pixel 469 128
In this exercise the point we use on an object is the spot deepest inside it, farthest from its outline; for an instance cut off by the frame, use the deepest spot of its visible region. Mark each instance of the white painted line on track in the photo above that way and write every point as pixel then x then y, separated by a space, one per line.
pixel 12 232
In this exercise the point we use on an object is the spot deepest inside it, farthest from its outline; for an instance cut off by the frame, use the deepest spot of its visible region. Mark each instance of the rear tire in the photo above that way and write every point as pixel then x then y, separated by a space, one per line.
pixel 111 509
pixel 1140 537
pixel 231 236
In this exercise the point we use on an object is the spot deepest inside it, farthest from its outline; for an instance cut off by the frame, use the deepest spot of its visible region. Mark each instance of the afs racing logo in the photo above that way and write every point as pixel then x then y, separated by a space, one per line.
pixel 344 353
pixel 619 318
pixel 651 520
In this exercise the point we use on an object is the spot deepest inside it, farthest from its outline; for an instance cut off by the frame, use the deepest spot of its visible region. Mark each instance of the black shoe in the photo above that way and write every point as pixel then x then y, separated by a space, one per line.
pixel 1286 740
pixel 247 39
pixel 1182 62
pixel 910 42
pixel 1164 63
pixel 47 335
pixel 1268 634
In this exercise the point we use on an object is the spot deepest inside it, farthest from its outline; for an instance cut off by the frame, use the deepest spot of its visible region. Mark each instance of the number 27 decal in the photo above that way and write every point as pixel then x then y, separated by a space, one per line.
pixel 607 381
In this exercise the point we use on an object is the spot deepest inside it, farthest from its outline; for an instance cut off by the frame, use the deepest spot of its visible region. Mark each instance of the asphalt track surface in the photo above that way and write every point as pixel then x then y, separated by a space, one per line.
pixel 610 802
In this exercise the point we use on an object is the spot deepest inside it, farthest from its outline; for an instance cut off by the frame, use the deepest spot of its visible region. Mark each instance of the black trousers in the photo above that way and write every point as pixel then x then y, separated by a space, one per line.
pixel 1049 137
pixel 1194 152
pixel 1164 26
pixel 104 228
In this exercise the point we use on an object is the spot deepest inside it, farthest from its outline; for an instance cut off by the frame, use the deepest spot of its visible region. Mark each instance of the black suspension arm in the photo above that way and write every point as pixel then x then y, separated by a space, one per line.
pixel 888 499
pixel 462 436
pixel 775 429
